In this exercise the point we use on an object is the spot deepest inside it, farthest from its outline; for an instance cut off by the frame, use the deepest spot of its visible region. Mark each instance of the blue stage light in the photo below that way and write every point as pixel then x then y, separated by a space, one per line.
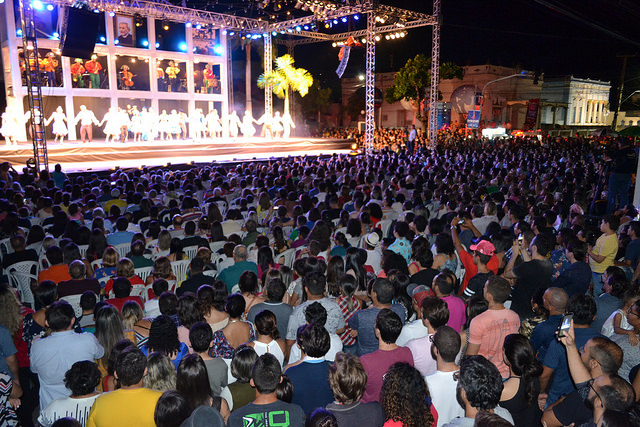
pixel 356 17
pixel 1 1
pixel 182 46
pixel 231 33
pixel 298 28
pixel 37 5
pixel 274 33
pixel 335 22
pixel 306 27
pixel 49 7
pixel 116 41
pixel 103 39
pixel 290 30
pixel 96 10
pixel 56 35
pixel 344 19
pixel 217 49
pixel 157 45
pixel 145 43
pixel 198 27
pixel 224 32
pixel 112 14
pixel 188 25
pixel 19 32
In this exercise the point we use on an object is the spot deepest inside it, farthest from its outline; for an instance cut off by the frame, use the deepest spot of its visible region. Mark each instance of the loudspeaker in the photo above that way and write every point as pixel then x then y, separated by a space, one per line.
pixel 79 38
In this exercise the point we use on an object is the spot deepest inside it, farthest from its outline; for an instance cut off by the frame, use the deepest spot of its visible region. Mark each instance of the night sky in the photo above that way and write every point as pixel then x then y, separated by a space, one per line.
pixel 533 34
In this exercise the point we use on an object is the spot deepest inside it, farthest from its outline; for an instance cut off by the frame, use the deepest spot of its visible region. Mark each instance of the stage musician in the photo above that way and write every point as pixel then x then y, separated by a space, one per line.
pixel 94 67
pixel 49 64
pixel 77 70
pixel 172 73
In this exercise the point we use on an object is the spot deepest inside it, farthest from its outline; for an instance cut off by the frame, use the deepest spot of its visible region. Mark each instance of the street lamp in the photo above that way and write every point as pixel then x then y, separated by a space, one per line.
pixel 520 74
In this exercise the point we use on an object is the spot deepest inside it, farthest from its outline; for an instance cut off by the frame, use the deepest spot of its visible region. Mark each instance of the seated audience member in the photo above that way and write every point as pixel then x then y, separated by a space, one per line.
pixel 363 321
pixel 555 376
pixel 236 332
pixel 231 274
pixel 521 389
pixel 404 398
pixel 109 260
pixel 242 392
pixel 168 305
pixel 20 253
pixel 487 330
pixel 173 409
pixel 626 342
pixel 314 285
pixel 434 314
pixel 442 384
pixel 348 380
pixel 267 336
pixel 58 271
pixel 121 235
pixel 163 338
pixel 87 320
pixel 555 302
pixel 310 377
pixel 77 285
pixel 614 286
pixel 82 380
pixel 197 279
pixel 200 336
pixel 52 356
pixel 125 268
pixel 577 277
pixel 137 255
pixel 600 356
pixel 151 306
pixel 315 313
pixel 479 389
pixel 266 374
pixel 443 285
pixel 387 329
pixel 122 291
pixel 275 290
pixel 131 404
pixel 190 238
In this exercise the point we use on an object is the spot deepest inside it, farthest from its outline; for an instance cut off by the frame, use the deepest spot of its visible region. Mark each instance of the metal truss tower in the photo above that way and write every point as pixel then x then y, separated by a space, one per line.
pixel 34 85
pixel 435 75
pixel 370 81
pixel 268 66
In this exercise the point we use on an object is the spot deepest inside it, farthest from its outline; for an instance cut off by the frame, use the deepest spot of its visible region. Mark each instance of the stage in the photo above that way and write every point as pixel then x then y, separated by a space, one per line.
pixel 75 156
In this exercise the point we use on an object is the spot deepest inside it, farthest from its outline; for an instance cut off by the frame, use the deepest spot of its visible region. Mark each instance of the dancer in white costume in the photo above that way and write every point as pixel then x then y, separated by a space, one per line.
pixel 247 128
pixel 287 124
pixel 174 124
pixel 151 124
pixel 276 125
pixel 266 121
pixel 214 124
pixel 164 128
pixel 59 128
pixel 124 122
pixel 87 119
pixel 197 124
pixel 136 124
pixel 112 128
pixel 234 124
pixel 10 126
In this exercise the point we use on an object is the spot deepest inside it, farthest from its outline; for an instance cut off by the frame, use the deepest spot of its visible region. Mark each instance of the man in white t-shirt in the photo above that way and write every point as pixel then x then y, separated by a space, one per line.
pixel 416 328
pixel 435 313
pixel 442 384
pixel 374 256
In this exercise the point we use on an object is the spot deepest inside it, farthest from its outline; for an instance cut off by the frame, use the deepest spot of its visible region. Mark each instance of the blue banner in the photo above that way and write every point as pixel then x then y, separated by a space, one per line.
pixel 345 60
pixel 473 119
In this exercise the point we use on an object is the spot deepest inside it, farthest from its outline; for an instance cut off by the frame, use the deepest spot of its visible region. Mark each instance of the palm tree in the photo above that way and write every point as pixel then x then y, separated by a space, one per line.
pixel 286 78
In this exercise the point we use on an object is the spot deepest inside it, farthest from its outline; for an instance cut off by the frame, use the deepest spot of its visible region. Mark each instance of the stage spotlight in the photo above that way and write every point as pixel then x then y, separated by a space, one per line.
pixel 386 37
pixel 165 25
pixel 273 33
pixel 137 19
pixel 231 33
pixel 188 24
pixel 116 41
pixel 182 46
pixel 327 25
pixel 393 36
pixel 37 5
pixel 1 1
pixel 133 60
pixel 344 19
pixel 19 32
pixel 217 49
pixel 96 10
pixel 298 28
pixel 335 22
pixel 145 43
pixel 361 77
pixel 103 39
pixel 306 27
pixel 198 26
pixel 157 45
pixel 112 14
pixel 356 17
pixel 56 35
pixel 224 32
pixel 364 40
pixel 49 7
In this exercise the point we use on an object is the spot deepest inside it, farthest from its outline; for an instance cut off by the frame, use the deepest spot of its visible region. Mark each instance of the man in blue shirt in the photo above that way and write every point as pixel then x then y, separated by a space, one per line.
pixel 555 301
pixel 555 364
pixel 231 274
pixel 120 236
pixel 577 277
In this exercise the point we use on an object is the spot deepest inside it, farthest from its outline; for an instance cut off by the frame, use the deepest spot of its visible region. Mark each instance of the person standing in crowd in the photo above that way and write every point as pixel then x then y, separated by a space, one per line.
pixel 602 255
pixel 624 165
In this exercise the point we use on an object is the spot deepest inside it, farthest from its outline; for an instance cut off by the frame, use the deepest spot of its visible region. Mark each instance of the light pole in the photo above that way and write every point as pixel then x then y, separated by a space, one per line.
pixel 520 74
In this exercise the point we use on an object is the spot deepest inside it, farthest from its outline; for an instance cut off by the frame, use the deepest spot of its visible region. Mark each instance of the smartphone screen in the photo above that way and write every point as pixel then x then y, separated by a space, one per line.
pixel 565 324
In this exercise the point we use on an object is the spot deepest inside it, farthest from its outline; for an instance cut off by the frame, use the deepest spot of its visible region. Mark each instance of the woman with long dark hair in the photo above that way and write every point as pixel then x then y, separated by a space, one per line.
pixel 354 266
pixel 335 270
pixel 163 337
pixel 268 338
pixel 404 397
pixel 521 389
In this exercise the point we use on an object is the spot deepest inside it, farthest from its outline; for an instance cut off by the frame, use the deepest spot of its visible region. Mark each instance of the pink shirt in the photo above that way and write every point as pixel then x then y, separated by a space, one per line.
pixel 377 364
pixel 489 330
pixel 421 351
pixel 457 312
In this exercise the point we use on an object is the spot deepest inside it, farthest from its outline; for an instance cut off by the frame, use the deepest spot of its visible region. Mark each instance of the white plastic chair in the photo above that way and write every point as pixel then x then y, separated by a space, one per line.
pixel 103 281
pixel 216 246
pixel 21 276
pixel 190 251
pixel 143 272
pixel 160 253
pixel 223 262
pixel 222 206
pixel 96 263
pixel 37 246
pixel 210 273
pixel 5 246
pixel 384 226
pixel 83 251
pixel 179 269
pixel 123 249
pixel 74 300
pixel 289 257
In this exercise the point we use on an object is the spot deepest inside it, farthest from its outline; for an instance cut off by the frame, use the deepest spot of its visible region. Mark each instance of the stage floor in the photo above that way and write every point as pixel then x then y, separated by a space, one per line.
pixel 75 156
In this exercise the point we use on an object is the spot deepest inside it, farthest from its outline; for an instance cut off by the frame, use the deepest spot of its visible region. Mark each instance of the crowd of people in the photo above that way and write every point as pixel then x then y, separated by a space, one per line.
pixel 398 288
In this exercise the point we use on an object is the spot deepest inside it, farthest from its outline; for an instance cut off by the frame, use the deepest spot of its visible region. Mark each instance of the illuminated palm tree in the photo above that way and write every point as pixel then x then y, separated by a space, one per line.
pixel 286 78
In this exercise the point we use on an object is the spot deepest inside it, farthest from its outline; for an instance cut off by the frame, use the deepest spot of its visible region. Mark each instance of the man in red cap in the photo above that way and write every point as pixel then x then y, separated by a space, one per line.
pixel 482 253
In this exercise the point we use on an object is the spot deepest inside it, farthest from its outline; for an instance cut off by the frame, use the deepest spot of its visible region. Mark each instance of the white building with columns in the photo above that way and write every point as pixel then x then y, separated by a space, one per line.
pixel 570 101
